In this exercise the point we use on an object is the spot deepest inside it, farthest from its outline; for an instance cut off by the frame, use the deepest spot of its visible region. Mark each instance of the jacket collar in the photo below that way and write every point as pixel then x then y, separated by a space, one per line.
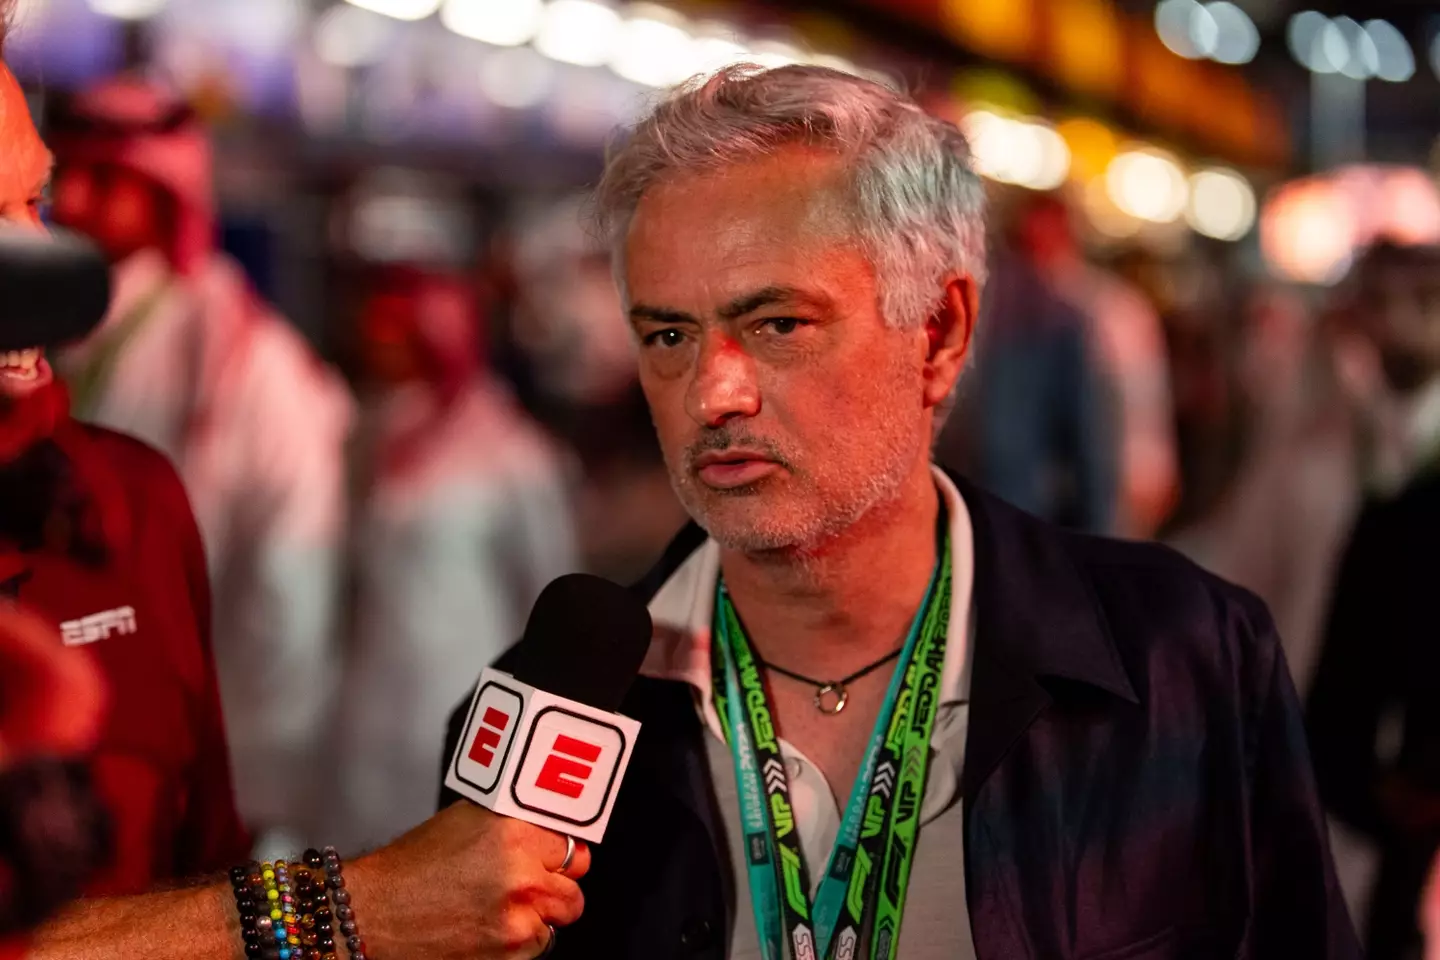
pixel 682 610
pixel 1036 619
pixel 1035 605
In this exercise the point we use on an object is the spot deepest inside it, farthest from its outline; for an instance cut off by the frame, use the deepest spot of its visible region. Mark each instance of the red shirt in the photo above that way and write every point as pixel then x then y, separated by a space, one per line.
pixel 162 766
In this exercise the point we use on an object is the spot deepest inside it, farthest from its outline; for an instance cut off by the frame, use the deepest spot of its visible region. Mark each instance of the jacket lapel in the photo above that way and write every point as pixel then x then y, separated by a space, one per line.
pixel 1035 620
pixel 674 759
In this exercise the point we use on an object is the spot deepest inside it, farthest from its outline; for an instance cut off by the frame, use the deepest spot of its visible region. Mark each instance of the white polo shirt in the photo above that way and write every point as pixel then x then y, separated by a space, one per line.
pixel 935 924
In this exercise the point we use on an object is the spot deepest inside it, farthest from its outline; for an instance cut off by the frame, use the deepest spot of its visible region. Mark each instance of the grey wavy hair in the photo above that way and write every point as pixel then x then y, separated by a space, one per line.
pixel 7 19
pixel 916 204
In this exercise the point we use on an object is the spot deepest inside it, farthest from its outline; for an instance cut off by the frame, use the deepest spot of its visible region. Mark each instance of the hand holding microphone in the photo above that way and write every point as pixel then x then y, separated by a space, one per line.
pixel 542 756
pixel 468 883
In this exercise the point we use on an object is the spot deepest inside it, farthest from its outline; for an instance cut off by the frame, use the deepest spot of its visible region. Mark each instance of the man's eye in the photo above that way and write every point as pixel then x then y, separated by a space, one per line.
pixel 782 325
pixel 665 338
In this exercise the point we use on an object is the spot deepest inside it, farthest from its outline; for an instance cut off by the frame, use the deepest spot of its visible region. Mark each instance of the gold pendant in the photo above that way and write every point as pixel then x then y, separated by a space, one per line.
pixel 838 691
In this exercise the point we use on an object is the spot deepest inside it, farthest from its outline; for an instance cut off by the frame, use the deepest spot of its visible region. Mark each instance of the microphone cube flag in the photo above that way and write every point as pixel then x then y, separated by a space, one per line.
pixel 544 759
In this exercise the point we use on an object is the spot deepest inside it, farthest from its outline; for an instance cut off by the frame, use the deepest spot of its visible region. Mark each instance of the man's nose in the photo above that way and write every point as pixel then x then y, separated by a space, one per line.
pixel 724 386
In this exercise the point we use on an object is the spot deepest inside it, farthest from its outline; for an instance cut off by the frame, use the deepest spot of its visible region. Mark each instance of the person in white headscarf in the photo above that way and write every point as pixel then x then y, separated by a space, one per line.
pixel 464 517
pixel 193 361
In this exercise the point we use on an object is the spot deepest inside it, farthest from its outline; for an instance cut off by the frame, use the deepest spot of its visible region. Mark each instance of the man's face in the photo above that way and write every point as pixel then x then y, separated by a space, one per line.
pixel 1400 312
pixel 24 175
pixel 785 406
pixel 387 327
pixel 122 211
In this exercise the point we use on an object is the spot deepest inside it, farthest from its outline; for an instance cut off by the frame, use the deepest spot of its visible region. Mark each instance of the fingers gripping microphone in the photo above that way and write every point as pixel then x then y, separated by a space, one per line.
pixel 544 743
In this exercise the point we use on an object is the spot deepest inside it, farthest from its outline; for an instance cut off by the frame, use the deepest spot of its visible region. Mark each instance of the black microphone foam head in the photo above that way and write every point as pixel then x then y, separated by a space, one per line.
pixel 585 641
pixel 54 289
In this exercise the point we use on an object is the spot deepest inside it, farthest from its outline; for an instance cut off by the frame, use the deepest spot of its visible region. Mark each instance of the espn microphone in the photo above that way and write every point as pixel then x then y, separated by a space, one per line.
pixel 55 288
pixel 544 743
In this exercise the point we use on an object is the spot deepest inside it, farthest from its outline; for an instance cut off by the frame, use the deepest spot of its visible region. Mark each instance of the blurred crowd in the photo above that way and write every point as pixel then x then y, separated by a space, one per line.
pixel 376 529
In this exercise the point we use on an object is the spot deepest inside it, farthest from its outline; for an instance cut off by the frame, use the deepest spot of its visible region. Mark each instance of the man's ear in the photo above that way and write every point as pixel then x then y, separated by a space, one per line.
pixel 949 333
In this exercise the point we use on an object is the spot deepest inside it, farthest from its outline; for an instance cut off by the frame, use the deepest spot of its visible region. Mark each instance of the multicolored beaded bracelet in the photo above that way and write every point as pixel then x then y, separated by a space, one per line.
pixel 280 932
pixel 290 909
pixel 286 911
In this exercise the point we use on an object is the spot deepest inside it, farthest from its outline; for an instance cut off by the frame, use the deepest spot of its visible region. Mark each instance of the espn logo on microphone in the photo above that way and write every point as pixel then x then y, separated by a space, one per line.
pixel 491 732
pixel 569 765
pixel 531 755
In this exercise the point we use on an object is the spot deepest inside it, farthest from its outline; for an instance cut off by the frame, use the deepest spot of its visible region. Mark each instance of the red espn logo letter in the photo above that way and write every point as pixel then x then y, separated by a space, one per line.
pixel 487 738
pixel 563 775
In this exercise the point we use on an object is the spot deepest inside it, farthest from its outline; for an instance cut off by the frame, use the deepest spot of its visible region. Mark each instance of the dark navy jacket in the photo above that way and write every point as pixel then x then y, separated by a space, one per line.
pixel 1136 782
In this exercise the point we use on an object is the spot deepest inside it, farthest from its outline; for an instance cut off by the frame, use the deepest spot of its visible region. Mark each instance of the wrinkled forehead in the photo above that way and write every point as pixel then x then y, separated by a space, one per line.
pixel 740 225
pixel 800 187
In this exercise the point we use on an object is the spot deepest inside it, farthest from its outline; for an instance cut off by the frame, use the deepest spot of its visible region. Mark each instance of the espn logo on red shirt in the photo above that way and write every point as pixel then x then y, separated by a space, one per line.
pixel 535 756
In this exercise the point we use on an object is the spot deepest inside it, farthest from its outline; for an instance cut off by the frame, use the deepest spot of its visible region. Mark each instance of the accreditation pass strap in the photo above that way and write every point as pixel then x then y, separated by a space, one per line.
pixel 877 832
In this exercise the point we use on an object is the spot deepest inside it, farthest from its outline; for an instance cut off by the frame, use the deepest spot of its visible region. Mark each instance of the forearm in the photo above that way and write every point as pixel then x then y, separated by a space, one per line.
pixel 202 918
pixel 462 885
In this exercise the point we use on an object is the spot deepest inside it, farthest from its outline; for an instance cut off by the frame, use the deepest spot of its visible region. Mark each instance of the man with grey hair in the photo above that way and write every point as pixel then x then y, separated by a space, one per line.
pixel 886 715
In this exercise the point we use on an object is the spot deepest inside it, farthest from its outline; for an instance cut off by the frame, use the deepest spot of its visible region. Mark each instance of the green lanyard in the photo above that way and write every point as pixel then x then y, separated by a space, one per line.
pixel 877 832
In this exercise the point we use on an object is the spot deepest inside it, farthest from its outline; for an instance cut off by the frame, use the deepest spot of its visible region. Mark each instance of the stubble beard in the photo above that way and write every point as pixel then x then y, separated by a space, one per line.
pixel 795 514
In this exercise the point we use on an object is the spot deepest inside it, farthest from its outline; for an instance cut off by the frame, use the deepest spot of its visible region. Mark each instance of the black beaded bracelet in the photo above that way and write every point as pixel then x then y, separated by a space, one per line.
pixel 315 933
pixel 340 897
pixel 256 926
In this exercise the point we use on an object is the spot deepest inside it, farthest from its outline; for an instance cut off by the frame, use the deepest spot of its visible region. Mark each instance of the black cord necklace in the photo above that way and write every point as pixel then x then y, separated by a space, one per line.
pixel 827 688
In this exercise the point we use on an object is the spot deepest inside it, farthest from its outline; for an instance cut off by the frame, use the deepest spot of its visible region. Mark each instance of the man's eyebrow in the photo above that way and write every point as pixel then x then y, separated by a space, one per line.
pixel 768 296
pixel 659 315
pixel 736 308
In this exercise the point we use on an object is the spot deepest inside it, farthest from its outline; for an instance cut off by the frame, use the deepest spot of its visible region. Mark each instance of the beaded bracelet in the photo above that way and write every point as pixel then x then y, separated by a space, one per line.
pixel 259 915
pixel 282 903
pixel 316 934
pixel 285 908
pixel 335 881
pixel 244 880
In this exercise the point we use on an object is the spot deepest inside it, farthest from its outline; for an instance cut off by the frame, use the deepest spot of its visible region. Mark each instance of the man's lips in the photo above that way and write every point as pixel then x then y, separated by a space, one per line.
pixel 728 469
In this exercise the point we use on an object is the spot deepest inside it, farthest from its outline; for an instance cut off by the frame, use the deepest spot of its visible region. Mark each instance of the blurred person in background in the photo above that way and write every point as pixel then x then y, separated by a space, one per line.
pixel 1374 708
pixel 1279 526
pixel 568 330
pixel 1203 323
pixel 191 360
pixel 96 535
pixel 1034 427
pixel 573 358
pixel 1127 344
pixel 462 521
